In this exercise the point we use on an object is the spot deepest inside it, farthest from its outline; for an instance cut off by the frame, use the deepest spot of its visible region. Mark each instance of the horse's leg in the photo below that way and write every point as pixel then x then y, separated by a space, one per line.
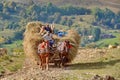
pixel 61 58
pixel 42 61
pixel 47 61
pixel 38 61
pixel 63 63
pixel 64 58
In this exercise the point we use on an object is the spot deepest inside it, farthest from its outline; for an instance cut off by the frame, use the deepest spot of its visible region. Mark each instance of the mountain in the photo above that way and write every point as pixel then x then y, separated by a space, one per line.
pixel 115 3
pixel 112 4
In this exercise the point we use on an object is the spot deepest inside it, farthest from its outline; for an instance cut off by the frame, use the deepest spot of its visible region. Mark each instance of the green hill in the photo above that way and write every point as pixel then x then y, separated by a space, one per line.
pixel 111 41
pixel 113 4
pixel 82 15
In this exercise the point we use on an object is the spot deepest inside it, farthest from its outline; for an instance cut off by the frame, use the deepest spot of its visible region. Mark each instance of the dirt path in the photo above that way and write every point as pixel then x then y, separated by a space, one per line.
pixel 54 73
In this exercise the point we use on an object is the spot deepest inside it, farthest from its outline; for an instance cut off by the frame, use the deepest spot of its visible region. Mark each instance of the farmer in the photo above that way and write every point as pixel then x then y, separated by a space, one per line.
pixel 48 37
pixel 61 33
pixel 47 28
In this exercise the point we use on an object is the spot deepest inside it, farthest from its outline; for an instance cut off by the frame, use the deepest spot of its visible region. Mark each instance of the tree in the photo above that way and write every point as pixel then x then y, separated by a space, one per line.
pixel 118 13
pixel 8 40
pixel 31 2
pixel 117 26
pixel 13 25
pixel 1 7
pixel 64 21
pixel 57 17
pixel 43 16
pixel 69 22
pixel 50 8
pixel 50 19
pixel 10 7
pixel 18 35
pixel 96 33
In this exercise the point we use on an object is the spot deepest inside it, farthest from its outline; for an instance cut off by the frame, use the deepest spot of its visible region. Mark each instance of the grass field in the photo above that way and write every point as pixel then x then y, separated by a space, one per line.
pixel 111 41
pixel 14 44
pixel 104 62
pixel 6 33
pixel 12 62
pixel 83 69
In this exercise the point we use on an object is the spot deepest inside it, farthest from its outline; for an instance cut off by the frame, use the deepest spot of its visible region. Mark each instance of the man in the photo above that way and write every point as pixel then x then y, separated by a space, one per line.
pixel 48 37
pixel 49 33
pixel 61 33
pixel 47 28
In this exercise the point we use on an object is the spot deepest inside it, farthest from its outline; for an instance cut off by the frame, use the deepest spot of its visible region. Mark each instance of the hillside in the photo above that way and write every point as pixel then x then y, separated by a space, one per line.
pixel 82 15
pixel 107 42
pixel 75 2
pixel 113 4
pixel 88 17
pixel 112 1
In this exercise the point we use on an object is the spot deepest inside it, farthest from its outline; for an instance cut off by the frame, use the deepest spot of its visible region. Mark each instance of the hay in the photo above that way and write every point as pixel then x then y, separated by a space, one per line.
pixel 74 38
pixel 32 38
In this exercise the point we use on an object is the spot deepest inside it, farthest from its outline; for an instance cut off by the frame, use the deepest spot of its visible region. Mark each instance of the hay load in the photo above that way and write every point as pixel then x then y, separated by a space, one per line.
pixel 74 38
pixel 32 37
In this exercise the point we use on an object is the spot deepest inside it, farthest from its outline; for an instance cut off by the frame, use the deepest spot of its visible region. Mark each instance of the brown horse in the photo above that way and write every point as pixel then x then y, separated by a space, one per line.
pixel 63 49
pixel 43 53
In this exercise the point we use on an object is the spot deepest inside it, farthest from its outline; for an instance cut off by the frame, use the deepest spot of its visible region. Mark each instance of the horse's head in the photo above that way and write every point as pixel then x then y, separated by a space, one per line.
pixel 67 42
pixel 64 46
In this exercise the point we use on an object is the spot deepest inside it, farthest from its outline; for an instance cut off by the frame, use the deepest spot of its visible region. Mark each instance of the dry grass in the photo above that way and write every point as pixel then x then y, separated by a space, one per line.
pixel 31 38
pixel 74 38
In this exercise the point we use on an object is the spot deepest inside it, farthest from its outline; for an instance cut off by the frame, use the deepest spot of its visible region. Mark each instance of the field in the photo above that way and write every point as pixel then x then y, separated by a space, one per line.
pixel 93 58
pixel 11 63
pixel 6 33
pixel 87 64
pixel 14 58
pixel 111 41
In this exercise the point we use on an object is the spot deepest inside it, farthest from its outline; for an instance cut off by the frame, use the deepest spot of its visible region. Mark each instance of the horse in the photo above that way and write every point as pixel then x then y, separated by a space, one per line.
pixel 43 53
pixel 63 48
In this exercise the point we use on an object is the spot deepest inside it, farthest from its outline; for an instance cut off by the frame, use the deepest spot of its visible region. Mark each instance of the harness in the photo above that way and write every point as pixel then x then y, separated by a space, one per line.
pixel 63 47
pixel 42 48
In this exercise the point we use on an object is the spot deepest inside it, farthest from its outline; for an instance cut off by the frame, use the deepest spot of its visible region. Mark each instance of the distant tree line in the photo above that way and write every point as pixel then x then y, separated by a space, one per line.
pixel 106 18
pixel 51 13
pixel 16 15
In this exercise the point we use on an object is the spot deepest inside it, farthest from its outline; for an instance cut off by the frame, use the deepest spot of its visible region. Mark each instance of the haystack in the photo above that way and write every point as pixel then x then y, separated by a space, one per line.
pixel 32 37
pixel 74 39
